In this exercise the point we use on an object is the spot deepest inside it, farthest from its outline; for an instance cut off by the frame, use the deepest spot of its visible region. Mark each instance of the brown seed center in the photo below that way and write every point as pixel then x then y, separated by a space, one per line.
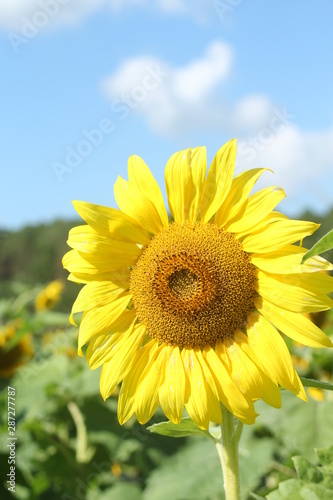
pixel 184 284
pixel 193 285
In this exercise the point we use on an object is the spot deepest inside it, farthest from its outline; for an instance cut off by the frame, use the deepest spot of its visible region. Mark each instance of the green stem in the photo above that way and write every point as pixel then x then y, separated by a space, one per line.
pixel 228 454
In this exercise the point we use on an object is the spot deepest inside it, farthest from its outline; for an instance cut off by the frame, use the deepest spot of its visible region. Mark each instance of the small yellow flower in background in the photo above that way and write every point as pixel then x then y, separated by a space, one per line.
pixel 70 352
pixel 187 313
pixel 11 360
pixel 300 363
pixel 316 394
pixel 49 296
pixel 116 469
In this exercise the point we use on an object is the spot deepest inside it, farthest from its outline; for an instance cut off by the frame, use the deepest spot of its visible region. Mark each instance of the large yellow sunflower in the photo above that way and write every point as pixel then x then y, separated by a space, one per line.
pixel 188 312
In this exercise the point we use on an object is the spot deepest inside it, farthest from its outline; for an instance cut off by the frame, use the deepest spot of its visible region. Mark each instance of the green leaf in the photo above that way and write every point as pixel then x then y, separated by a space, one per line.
pixel 299 426
pixel 299 490
pixel 309 382
pixel 52 318
pixel 325 456
pixel 186 427
pixel 119 491
pixel 194 472
pixel 325 243
pixel 314 481
pixel 306 470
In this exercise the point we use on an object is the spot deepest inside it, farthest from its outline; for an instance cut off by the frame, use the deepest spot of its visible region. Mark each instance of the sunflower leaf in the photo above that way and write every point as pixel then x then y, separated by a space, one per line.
pixel 309 382
pixel 313 481
pixel 194 471
pixel 325 243
pixel 186 427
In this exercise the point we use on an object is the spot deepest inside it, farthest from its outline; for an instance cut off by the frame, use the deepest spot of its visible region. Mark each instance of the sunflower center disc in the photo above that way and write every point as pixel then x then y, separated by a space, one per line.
pixel 184 284
pixel 193 285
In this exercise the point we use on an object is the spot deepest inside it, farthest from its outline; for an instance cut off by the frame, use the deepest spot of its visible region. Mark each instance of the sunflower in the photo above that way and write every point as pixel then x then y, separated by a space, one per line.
pixel 49 296
pixel 190 312
pixel 13 358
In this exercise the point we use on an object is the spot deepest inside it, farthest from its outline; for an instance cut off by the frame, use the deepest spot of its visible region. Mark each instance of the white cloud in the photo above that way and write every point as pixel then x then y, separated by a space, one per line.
pixel 15 13
pixel 187 97
pixel 251 112
pixel 302 163
pixel 195 80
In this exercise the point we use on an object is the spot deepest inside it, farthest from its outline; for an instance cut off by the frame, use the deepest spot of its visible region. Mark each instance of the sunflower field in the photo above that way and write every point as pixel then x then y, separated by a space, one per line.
pixel 60 440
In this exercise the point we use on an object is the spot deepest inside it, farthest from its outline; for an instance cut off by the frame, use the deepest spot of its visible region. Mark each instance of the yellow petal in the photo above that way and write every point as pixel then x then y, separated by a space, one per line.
pixel 239 191
pixel 101 320
pixel 250 379
pixel 102 347
pixel 135 204
pixel 277 235
pixel 228 391
pixel 198 170
pixel 197 404
pixel 185 175
pixel 126 401
pixel 140 175
pixel 146 398
pixel 295 325
pixel 179 185
pixel 119 277
pixel 172 391
pixel 257 207
pixel 293 296
pixel 288 261
pixel 122 360
pixel 102 251
pixel 272 353
pixel 111 222
pixel 73 262
pixel 74 279
pixel 95 294
pixel 85 272
pixel 218 180
pixel 269 219
pixel 320 283
pixel 214 406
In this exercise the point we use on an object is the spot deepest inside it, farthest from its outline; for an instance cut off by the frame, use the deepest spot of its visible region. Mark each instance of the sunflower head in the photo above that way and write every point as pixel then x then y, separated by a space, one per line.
pixel 190 313
pixel 11 358
pixel 49 296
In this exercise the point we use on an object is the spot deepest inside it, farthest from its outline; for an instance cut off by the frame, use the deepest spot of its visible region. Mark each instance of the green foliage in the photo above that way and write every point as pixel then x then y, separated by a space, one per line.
pixel 299 426
pixel 308 382
pixel 194 472
pixel 33 255
pixel 326 224
pixel 71 445
pixel 185 428
pixel 323 245
pixel 313 481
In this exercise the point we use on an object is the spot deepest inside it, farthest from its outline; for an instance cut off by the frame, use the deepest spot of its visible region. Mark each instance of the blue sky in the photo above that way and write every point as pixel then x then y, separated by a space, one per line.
pixel 153 78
